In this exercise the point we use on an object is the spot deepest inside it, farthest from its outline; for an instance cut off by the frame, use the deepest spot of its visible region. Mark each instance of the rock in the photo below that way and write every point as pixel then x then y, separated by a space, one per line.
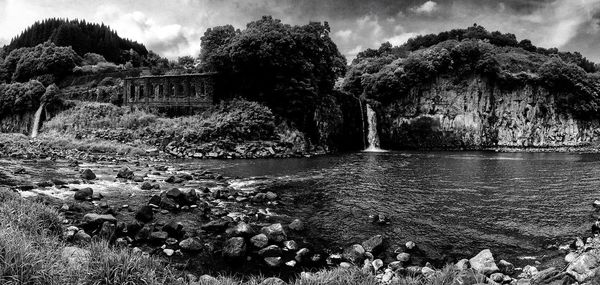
pixel 158 237
pixel 75 256
pixel 234 247
pixel 506 267
pixel 528 271
pixel 273 281
pixel 354 253
pixel 334 258
pixel 88 174
pixel 290 245
pixel 410 245
pixel 168 251
pixel 169 204
pixel 174 180
pixel 107 230
pixel 125 173
pixel 571 256
pixel 97 219
pixel 207 280
pixel 403 257
pixel 137 178
pixel 146 186
pixel 301 254
pixel 291 263
pixel 497 277
pixel 271 196
pixel 523 281
pixel 377 264
pixel 269 251
pixel 345 264
pixel 121 242
pixel 84 194
pixel 241 229
pixel 427 272
pixel 145 214
pixel 274 232
pixel 259 240
pixel 395 265
pixel 585 266
pixel 273 261
pixel 191 244
pixel 174 229
pixel 296 225
pixel 154 200
pixel 462 264
pixel 387 276
pixel 82 237
pixel 373 244
pixel 544 275
pixel 175 194
pixel 484 262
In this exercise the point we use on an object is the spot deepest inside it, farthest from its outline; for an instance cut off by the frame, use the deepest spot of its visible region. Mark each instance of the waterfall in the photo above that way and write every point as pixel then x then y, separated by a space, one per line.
pixel 362 122
pixel 373 136
pixel 36 121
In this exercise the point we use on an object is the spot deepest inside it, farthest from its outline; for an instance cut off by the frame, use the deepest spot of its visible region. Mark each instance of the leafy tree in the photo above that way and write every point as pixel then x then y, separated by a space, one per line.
pixel 186 61
pixel 46 58
pixel 20 97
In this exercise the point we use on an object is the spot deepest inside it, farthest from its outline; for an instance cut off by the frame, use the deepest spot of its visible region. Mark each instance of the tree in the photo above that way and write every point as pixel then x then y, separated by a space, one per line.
pixel 42 59
pixel 186 61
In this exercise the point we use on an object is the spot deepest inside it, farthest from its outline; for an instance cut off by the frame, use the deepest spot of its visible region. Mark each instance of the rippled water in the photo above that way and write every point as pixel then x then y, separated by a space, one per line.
pixel 449 203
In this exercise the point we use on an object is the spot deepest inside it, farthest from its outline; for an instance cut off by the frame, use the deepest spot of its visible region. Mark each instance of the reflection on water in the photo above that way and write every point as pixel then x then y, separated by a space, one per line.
pixel 447 202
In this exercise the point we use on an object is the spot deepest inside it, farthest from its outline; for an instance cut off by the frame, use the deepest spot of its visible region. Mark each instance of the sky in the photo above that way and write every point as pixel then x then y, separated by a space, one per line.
pixel 173 28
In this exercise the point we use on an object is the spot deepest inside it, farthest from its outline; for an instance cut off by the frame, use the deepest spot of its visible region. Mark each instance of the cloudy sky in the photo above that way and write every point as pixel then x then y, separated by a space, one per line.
pixel 173 27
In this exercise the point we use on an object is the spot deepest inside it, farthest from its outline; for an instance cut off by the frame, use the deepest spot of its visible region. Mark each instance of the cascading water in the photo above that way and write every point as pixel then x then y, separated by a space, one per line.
pixel 36 121
pixel 373 136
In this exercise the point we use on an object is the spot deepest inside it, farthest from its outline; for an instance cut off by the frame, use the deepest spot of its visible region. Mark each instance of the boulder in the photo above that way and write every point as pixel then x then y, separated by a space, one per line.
pixel 154 200
pixel 125 173
pixel 146 186
pixel 145 214
pixel 174 194
pixel 373 244
pixel 215 225
pixel 82 237
pixel 191 244
pixel 259 240
pixel 269 251
pixel 296 225
pixel 354 253
pixel 290 245
pixel 403 257
pixel 274 232
pixel 174 229
pixel 241 229
pixel 88 174
pixel 158 237
pixel 584 267
pixel 484 262
pixel 84 194
pixel 273 261
pixel 234 247
pixel 97 219
pixel 506 267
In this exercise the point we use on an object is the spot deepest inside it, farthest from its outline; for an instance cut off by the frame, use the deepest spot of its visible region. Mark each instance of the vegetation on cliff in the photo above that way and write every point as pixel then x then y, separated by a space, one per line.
pixel 389 73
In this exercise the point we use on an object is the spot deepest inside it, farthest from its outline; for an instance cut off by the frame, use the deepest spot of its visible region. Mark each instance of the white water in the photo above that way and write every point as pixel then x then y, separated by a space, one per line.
pixel 373 136
pixel 36 121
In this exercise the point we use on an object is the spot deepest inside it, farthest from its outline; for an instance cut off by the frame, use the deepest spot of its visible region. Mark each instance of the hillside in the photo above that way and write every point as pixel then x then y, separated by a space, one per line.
pixel 82 36
pixel 478 89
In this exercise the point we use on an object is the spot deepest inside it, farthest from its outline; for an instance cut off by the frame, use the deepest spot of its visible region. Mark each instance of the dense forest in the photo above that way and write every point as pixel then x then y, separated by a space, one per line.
pixel 83 37
pixel 388 73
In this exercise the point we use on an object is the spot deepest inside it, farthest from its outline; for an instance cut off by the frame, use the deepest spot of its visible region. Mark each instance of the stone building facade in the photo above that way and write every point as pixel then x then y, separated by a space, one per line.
pixel 170 91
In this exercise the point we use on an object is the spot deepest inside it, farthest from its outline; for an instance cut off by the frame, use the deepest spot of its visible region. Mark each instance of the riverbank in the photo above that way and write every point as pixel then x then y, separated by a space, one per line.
pixel 222 218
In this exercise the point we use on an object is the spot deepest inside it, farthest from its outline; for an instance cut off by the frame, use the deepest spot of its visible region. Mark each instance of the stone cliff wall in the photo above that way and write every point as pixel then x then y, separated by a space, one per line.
pixel 476 113
pixel 17 123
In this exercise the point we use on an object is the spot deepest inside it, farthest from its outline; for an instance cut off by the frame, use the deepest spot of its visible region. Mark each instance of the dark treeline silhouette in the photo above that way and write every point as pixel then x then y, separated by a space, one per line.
pixel 82 36
pixel 476 32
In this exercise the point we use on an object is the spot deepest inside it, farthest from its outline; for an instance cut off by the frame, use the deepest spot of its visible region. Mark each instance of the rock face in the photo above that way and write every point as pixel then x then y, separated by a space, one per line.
pixel 477 113
pixel 484 262
pixel 234 247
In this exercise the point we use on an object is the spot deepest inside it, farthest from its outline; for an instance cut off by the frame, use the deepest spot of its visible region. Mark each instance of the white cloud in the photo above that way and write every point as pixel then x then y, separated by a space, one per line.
pixel 426 8
pixel 400 39
pixel 344 34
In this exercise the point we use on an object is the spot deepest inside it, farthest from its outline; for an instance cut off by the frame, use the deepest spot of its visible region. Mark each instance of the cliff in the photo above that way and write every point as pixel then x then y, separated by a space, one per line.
pixel 17 123
pixel 477 113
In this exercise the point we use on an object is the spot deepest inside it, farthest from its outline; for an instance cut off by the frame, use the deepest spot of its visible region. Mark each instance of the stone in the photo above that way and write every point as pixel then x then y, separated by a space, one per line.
pixel 523 281
pixel 168 204
pixel 168 251
pixel 296 225
pixel 427 272
pixel 191 244
pixel 584 267
pixel 395 265
pixel 506 267
pixel 145 214
pixel 259 240
pixel 301 254
pixel 88 174
pixel 84 194
pixel 484 262
pixel 271 196
pixel 354 253
pixel 290 245
pixel 208 280
pixel 373 244
pixel 174 229
pixel 75 256
pixel 462 264
pixel 137 178
pixel 82 237
pixel 107 231
pixel 158 237
pixel 571 256
pixel 215 225
pixel 274 232
pixel 410 245
pixel 273 261
pixel 241 229
pixel 271 250
pixel 403 257
pixel 146 186
pixel 272 281
pixel 377 264
pixel 345 264
pixel 544 275
pixel 497 277
pixel 234 247
pixel 154 200
pixel 97 219
pixel 291 263
pixel 174 193
pixel 125 173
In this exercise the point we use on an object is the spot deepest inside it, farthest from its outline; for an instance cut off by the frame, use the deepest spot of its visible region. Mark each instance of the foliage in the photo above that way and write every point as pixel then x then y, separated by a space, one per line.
pixel 47 58
pixel 20 97
pixel 83 37
pixel 287 67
